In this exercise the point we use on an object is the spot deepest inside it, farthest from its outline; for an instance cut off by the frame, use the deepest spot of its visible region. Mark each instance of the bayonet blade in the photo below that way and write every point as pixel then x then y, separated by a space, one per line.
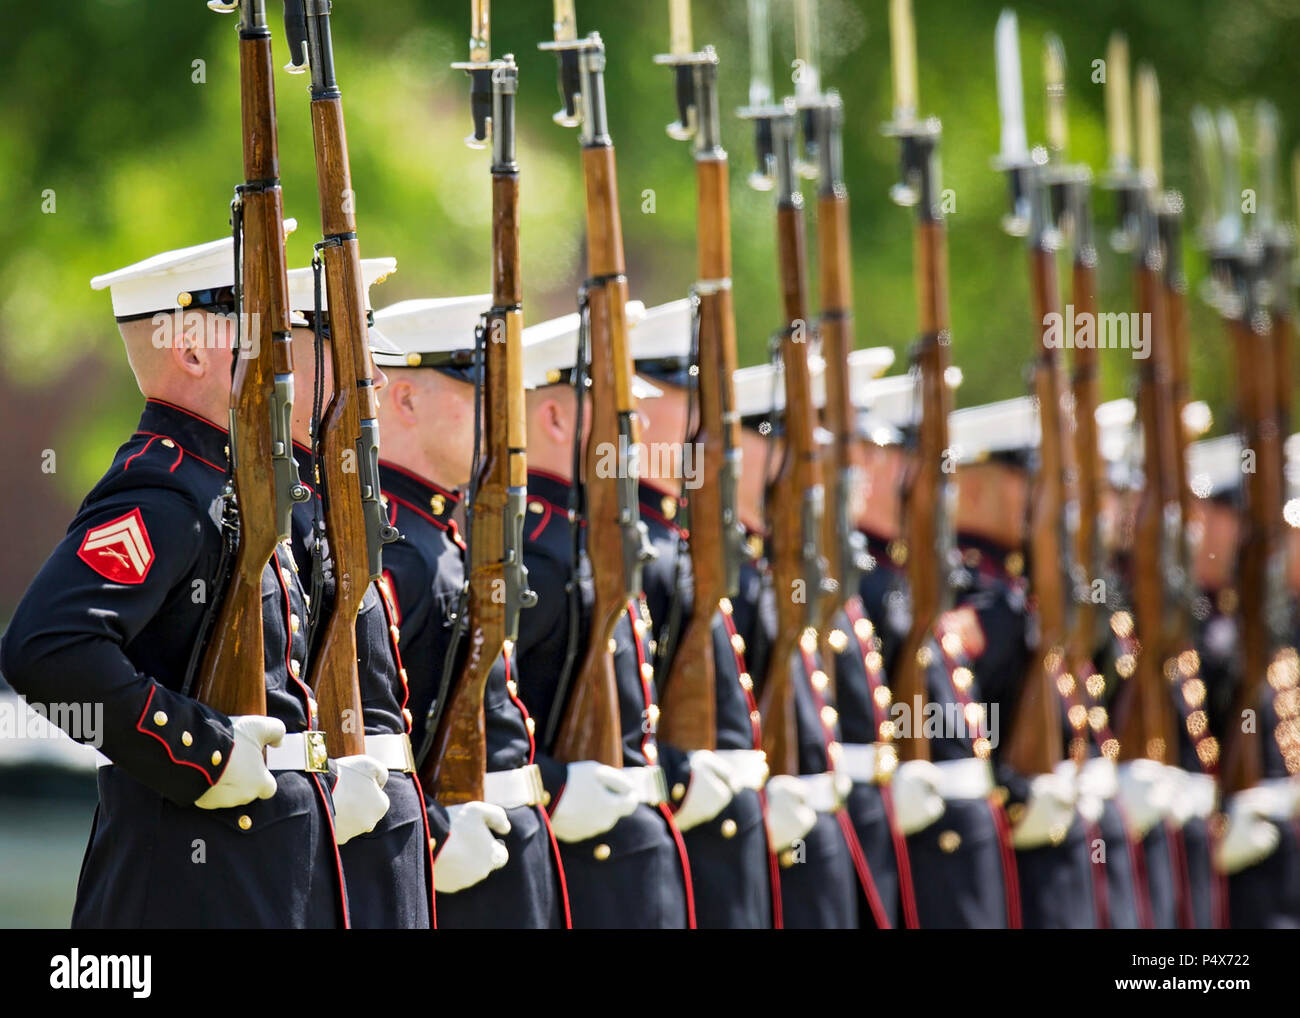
pixel 902 46
pixel 1230 178
pixel 1011 96
pixel 808 80
pixel 565 23
pixel 1266 158
pixel 1118 124
pixel 680 43
pixel 480 32
pixel 1058 127
pixel 760 55
pixel 1148 127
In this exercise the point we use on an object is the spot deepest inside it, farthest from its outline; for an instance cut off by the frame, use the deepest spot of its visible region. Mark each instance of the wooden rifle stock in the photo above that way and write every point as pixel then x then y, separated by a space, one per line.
pixel 924 485
pixel 454 770
pixel 1034 746
pixel 591 728
pixel 1089 471
pixel 795 489
pixel 232 676
pixel 343 457
pixel 689 696
pixel 1148 727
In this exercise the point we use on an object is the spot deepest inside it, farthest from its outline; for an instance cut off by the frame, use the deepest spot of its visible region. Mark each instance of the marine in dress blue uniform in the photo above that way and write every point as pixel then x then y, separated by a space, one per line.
pixel 732 868
pixel 112 619
pixel 425 572
pixel 389 870
pixel 819 874
pixel 634 874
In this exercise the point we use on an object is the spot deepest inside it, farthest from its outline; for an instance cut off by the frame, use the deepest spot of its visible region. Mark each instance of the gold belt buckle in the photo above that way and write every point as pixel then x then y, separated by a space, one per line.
pixel 317 756
pixel 409 767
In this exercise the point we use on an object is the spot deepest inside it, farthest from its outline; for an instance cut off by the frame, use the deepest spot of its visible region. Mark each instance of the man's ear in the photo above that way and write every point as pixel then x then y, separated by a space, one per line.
pixel 401 396
pixel 555 421
pixel 190 351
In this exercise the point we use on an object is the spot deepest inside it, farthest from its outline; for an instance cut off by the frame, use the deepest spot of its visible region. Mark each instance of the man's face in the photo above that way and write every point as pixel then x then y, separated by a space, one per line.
pixel 427 419
pixel 875 496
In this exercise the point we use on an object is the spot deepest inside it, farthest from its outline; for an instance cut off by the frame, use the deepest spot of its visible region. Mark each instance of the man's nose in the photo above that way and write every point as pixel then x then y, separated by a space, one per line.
pixel 380 379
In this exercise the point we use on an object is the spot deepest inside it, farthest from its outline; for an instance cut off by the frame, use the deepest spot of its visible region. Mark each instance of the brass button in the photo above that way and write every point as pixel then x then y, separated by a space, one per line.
pixel 1016 812
pixel 512 687
pixel 819 680
pixel 245 822
pixel 536 507
pixel 396 633
pixel 728 828
pixel 786 859
pixel 647 670
pixel 433 844
pixel 438 504
pixel 168 443
pixel 724 606
pixel 898 552
pixel 737 643
pixel 746 682
pixel 546 798
pixel 949 841
pixel 187 739
pixel 402 673
pixel 216 757
pixel 838 640
pixel 409 718
pixel 755 717
pixel 829 716
pixel 668 505
pixel 294 667
pixel 295 623
pixel 530 724
pixel 601 852
pixel 651 752
pixel 612 645
pixel 1015 563
pixel 679 792
pixel 160 718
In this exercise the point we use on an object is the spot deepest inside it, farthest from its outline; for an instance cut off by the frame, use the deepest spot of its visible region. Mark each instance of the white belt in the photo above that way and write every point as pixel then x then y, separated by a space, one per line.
pixel 392 751
pixel 748 767
pixel 971 778
pixel 648 784
pixel 823 792
pixel 860 761
pixel 301 751
pixel 512 789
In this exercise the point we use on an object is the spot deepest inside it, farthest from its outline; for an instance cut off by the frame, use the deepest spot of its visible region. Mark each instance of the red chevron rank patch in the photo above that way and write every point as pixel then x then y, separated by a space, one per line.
pixel 120 550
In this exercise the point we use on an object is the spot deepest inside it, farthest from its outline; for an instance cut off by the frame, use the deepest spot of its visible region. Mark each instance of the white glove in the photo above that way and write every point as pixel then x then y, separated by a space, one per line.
pixel 594 799
pixel 1048 813
pixel 1145 793
pixel 1096 782
pixel 359 800
pixel 1250 837
pixel 471 851
pixel 917 802
pixel 789 817
pixel 246 777
pixel 709 792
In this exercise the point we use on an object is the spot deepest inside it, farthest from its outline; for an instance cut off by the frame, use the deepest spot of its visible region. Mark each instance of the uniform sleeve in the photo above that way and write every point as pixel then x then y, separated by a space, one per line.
pixel 123 558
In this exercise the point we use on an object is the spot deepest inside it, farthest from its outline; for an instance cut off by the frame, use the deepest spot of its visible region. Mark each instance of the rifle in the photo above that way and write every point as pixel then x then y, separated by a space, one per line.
pixel 926 492
pixel 617 540
pixel 794 495
pixel 689 705
pixel 1147 727
pixel 1070 189
pixel 454 769
pixel 1238 294
pixel 347 453
pixel 263 482
pixel 1034 746
pixel 823 133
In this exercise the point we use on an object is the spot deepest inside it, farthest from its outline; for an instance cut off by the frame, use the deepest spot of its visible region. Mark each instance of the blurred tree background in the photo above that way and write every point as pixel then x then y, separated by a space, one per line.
pixel 119 124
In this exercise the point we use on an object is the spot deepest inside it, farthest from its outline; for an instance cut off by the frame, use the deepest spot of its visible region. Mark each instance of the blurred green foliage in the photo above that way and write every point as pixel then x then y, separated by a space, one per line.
pixel 128 111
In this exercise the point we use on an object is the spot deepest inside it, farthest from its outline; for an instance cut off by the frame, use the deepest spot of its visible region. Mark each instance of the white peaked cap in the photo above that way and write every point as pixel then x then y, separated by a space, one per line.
pixel 1214 466
pixel 661 331
pixel 551 351
pixel 1010 425
pixel 1115 422
pixel 436 325
pixel 302 295
pixel 302 285
pixel 864 366
pixel 165 281
pixel 760 389
pixel 888 405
